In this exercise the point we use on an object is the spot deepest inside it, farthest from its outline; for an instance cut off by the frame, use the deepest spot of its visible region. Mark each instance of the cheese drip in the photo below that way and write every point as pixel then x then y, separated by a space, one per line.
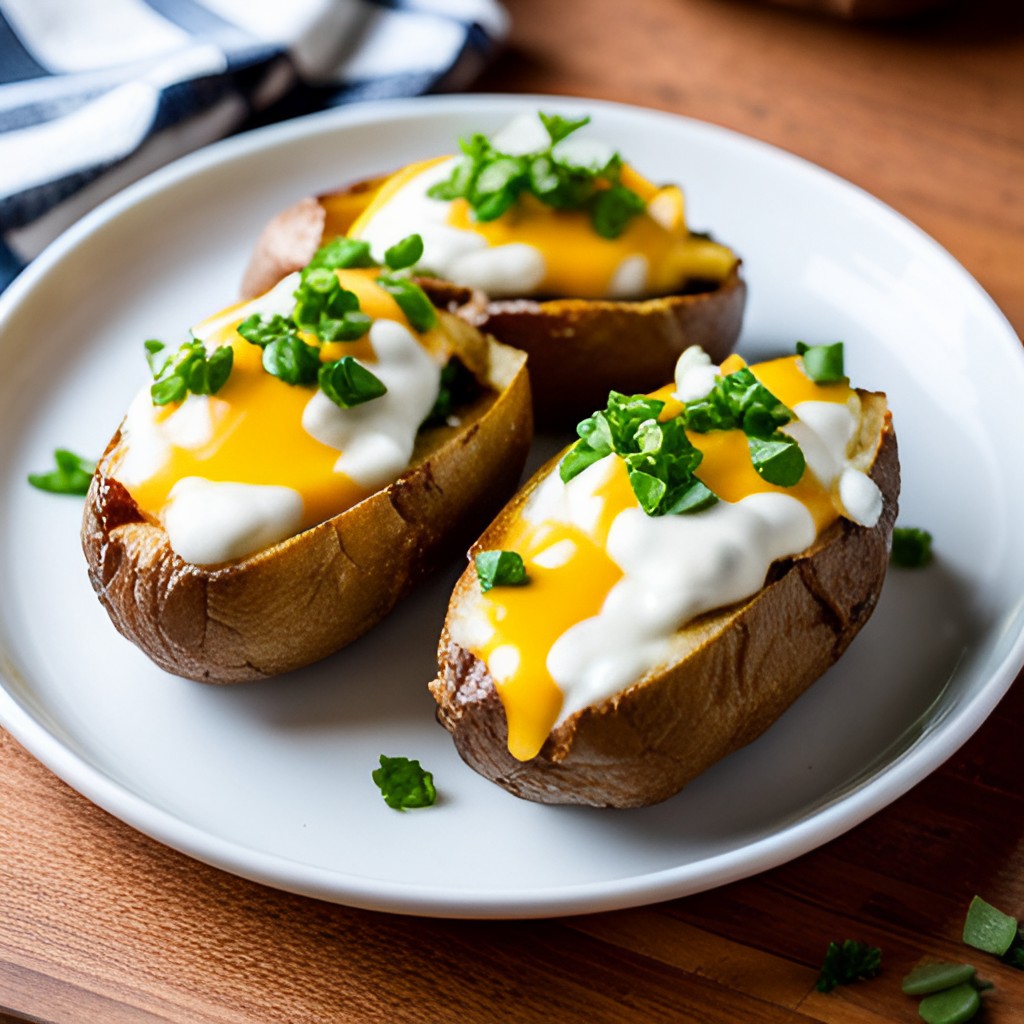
pixel 609 585
pixel 229 474
pixel 533 249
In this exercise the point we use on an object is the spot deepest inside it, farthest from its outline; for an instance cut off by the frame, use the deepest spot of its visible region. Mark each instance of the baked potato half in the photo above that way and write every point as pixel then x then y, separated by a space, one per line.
pixel 578 347
pixel 718 682
pixel 304 597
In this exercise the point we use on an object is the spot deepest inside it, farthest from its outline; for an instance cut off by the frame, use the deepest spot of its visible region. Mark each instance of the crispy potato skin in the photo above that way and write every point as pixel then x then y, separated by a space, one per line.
pixel 304 598
pixel 733 673
pixel 579 349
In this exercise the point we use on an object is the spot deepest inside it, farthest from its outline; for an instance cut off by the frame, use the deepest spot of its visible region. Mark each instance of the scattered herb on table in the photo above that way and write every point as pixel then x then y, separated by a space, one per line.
pixel 848 962
pixel 404 783
pixel 987 928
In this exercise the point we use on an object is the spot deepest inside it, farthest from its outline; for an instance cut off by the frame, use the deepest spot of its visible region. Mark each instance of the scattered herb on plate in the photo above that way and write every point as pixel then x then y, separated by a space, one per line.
pixel 71 474
pixel 911 547
pixel 404 783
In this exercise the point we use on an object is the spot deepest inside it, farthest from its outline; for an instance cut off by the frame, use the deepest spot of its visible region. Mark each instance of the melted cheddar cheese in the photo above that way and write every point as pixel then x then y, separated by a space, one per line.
pixel 534 249
pixel 573 573
pixel 267 438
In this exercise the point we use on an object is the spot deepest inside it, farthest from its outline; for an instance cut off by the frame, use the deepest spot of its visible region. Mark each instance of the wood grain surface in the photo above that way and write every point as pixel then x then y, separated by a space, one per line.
pixel 100 924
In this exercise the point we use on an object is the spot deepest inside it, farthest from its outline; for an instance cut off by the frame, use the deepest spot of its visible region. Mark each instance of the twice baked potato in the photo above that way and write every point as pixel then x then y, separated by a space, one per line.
pixel 639 648
pixel 241 527
pixel 586 266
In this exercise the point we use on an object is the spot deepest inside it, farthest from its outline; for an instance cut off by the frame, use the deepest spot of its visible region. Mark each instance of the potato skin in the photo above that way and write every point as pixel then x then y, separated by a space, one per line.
pixel 579 349
pixel 732 674
pixel 306 597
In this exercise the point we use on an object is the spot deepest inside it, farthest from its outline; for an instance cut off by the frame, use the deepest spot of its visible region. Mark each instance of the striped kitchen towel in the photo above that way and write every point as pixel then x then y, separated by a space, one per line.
pixel 96 93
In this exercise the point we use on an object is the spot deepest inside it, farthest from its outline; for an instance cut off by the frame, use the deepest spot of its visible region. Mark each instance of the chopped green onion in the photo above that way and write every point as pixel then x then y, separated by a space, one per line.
pixel 347 383
pixel 189 369
pixel 72 474
pixel 404 783
pixel 492 181
pixel 262 330
pixel 559 127
pixel 612 210
pixel 928 978
pixel 952 1006
pixel 500 569
pixel 911 547
pixel 406 253
pixel 457 387
pixel 290 359
pixel 412 300
pixel 822 363
pixel 343 253
pixel 659 457
pixel 153 349
pixel 989 929
pixel 848 962
pixel 777 459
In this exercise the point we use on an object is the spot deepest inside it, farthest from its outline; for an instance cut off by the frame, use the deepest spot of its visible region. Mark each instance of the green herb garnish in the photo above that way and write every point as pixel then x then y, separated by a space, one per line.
pixel 190 369
pixel 989 929
pixel 739 401
pixel 347 383
pixel 491 181
pixel 290 359
pixel 955 1005
pixel 458 387
pixel 822 363
pixel 500 569
pixel 71 475
pixel 325 308
pixel 406 253
pixel 412 300
pixel 404 783
pixel 911 547
pixel 925 979
pixel 848 962
pixel 342 254
pixel 659 457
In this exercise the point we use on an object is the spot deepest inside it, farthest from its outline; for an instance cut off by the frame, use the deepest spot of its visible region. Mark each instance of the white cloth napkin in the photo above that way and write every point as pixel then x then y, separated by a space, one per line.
pixel 94 94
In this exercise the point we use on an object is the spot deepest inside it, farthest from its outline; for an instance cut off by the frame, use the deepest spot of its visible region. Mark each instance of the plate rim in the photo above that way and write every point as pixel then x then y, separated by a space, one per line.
pixel 838 814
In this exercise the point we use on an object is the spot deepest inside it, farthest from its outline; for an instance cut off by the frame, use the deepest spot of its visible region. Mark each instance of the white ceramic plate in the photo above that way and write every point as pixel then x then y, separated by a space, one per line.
pixel 272 781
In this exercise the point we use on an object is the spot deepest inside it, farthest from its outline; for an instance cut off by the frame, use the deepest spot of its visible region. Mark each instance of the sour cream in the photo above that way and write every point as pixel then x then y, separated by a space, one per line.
pixel 610 585
pixel 230 474
pixel 533 249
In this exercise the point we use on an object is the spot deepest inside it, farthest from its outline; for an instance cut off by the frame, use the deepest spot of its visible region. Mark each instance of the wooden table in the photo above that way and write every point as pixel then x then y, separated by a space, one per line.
pixel 100 924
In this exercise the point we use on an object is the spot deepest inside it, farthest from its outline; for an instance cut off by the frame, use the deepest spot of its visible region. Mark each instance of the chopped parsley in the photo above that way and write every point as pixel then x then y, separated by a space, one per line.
pixel 847 962
pixel 347 383
pixel 659 457
pixel 911 547
pixel 739 401
pixel 404 783
pixel 458 387
pixel 190 369
pixel 822 363
pixel 987 928
pixel 324 312
pixel 500 569
pixel 492 181
pixel 71 475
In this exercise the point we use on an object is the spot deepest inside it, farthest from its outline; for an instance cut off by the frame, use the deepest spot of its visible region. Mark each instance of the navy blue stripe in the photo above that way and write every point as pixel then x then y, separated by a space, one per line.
pixel 30 114
pixel 18 63
pixel 10 265
pixel 198 20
